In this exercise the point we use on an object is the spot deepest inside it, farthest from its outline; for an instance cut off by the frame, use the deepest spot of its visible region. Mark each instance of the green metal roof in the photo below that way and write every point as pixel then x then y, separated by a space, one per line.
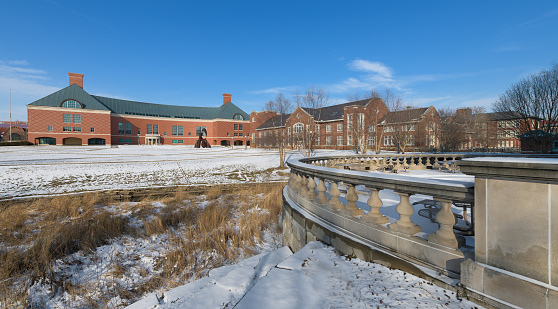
pixel 125 107
pixel 74 92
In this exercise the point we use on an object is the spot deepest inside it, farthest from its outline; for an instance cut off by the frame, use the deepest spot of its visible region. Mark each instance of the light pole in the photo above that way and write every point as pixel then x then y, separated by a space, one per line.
pixel 245 146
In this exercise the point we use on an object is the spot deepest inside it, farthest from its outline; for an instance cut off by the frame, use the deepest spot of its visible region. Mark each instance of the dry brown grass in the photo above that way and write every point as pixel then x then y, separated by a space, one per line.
pixel 225 230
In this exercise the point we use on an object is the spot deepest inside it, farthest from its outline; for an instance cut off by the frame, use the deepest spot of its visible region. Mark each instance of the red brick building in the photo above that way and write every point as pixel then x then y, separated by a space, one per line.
pixel 17 129
pixel 364 124
pixel 71 116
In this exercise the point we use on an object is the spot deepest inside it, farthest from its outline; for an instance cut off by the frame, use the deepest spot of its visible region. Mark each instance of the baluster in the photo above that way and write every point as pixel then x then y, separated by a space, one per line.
pixel 304 186
pixel 445 162
pixel 334 203
pixel 374 216
pixel 352 198
pixel 444 235
pixel 311 188
pixel 405 210
pixel 321 198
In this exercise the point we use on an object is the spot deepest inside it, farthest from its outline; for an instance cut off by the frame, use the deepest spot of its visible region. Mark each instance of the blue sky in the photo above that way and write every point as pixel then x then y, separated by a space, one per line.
pixel 441 53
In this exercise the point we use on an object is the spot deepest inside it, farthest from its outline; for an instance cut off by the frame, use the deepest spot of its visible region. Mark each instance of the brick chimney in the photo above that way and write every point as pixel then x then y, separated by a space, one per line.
pixel 226 98
pixel 76 78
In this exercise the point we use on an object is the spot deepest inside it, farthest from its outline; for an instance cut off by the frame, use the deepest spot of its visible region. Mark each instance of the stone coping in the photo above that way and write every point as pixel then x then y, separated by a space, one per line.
pixel 533 169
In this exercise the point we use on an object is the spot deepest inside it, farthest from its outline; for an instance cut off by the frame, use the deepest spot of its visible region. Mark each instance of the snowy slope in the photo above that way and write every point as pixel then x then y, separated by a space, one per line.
pixel 314 277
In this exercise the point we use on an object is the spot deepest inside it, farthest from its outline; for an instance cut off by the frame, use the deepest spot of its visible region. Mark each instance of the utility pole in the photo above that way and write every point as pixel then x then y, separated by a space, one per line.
pixel 10 114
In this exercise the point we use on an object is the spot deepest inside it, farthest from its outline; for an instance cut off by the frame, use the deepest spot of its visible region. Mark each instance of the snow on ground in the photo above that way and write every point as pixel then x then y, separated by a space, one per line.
pixel 314 277
pixel 44 170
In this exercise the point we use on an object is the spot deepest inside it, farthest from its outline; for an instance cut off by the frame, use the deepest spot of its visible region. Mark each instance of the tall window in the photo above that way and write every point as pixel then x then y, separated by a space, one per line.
pixel 349 122
pixel 371 141
pixel 128 128
pixel 77 118
pixel 236 126
pixel 50 128
pixel 328 128
pixel 67 118
pixel 361 121
pixel 149 129
pixel 349 139
pixel 328 140
pixel 180 130
pixel 339 127
pixel 372 128
pixel 174 131
pixel 155 129
pixel 240 127
pixel 121 128
pixel 298 128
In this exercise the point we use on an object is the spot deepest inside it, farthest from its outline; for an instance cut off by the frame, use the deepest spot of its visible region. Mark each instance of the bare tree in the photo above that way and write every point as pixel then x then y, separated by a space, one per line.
pixel 363 126
pixel 534 99
pixel 453 128
pixel 312 101
pixel 282 106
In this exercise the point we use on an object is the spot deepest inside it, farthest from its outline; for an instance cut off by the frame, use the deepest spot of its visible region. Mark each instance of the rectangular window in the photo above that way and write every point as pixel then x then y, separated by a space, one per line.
pixel 388 140
pixel 67 118
pixel 50 128
pixel 411 140
pixel 372 128
pixel 121 141
pixel 121 128
pixel 198 131
pixel 155 129
pixel 389 129
pixel 349 140
pixel 361 121
pixel 318 140
pixel 371 141
pixel 92 130
pixel 339 140
pixel 149 129
pixel 328 140
pixel 328 128
pixel 128 128
pixel 77 129
pixel 240 127
pixel 180 141
pixel 77 118
pixel 236 126
pixel 67 129
pixel 128 141
pixel 174 141
pixel 174 131
pixel 180 130
pixel 349 122
pixel 260 134
pixel 339 127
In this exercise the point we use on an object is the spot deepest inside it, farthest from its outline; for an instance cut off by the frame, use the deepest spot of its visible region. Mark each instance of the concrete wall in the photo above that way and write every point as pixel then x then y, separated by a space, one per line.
pixel 516 231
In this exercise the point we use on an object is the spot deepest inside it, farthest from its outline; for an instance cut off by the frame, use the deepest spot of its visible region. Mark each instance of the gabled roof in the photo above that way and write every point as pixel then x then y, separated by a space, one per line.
pixel 407 115
pixel 506 115
pixel 125 107
pixel 333 112
pixel 71 92
pixel 275 122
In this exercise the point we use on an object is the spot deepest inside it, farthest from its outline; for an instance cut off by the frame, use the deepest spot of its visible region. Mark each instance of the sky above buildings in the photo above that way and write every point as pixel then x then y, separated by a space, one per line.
pixel 441 53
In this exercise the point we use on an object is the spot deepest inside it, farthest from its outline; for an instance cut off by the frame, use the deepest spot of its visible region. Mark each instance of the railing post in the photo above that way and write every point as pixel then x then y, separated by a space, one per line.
pixel 405 210
pixel 321 198
pixel 304 186
pixel 311 188
pixel 352 197
pixel 297 180
pixel 444 235
pixel 334 203
pixel 374 216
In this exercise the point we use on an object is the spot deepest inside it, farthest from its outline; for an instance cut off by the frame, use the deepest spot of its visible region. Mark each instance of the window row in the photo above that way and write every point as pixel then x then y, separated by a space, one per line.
pixel 238 127
pixel 69 129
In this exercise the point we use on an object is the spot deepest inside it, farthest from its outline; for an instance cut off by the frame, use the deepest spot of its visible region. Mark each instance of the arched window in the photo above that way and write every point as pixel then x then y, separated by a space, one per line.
pixel 298 128
pixel 238 117
pixel 71 104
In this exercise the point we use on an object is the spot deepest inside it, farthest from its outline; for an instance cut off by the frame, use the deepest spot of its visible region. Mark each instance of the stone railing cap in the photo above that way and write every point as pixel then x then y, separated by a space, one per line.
pixel 537 169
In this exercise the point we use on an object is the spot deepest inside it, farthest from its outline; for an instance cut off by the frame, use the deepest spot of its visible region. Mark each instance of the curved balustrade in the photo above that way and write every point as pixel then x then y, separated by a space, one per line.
pixel 314 186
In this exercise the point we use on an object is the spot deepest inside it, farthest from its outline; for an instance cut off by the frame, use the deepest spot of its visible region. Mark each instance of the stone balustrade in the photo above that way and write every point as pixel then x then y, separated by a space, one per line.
pixel 314 186
pixel 375 162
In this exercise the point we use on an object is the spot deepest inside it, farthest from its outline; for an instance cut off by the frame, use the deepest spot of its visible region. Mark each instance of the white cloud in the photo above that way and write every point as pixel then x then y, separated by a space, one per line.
pixel 274 90
pixel 486 102
pixel 371 67
pixel 429 100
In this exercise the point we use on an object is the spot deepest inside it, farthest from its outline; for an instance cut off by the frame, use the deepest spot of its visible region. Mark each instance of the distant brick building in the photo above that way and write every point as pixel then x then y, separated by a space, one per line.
pixel 18 131
pixel 71 116
pixel 364 124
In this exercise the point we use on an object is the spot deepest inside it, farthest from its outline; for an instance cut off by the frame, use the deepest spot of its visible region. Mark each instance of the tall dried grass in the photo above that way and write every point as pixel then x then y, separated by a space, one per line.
pixel 200 238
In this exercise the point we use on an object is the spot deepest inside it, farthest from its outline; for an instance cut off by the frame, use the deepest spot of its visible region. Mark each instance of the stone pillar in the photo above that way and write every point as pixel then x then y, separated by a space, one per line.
pixel 334 203
pixel 321 198
pixel 405 225
pixel 311 188
pixel 374 216
pixel 444 235
pixel 352 198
